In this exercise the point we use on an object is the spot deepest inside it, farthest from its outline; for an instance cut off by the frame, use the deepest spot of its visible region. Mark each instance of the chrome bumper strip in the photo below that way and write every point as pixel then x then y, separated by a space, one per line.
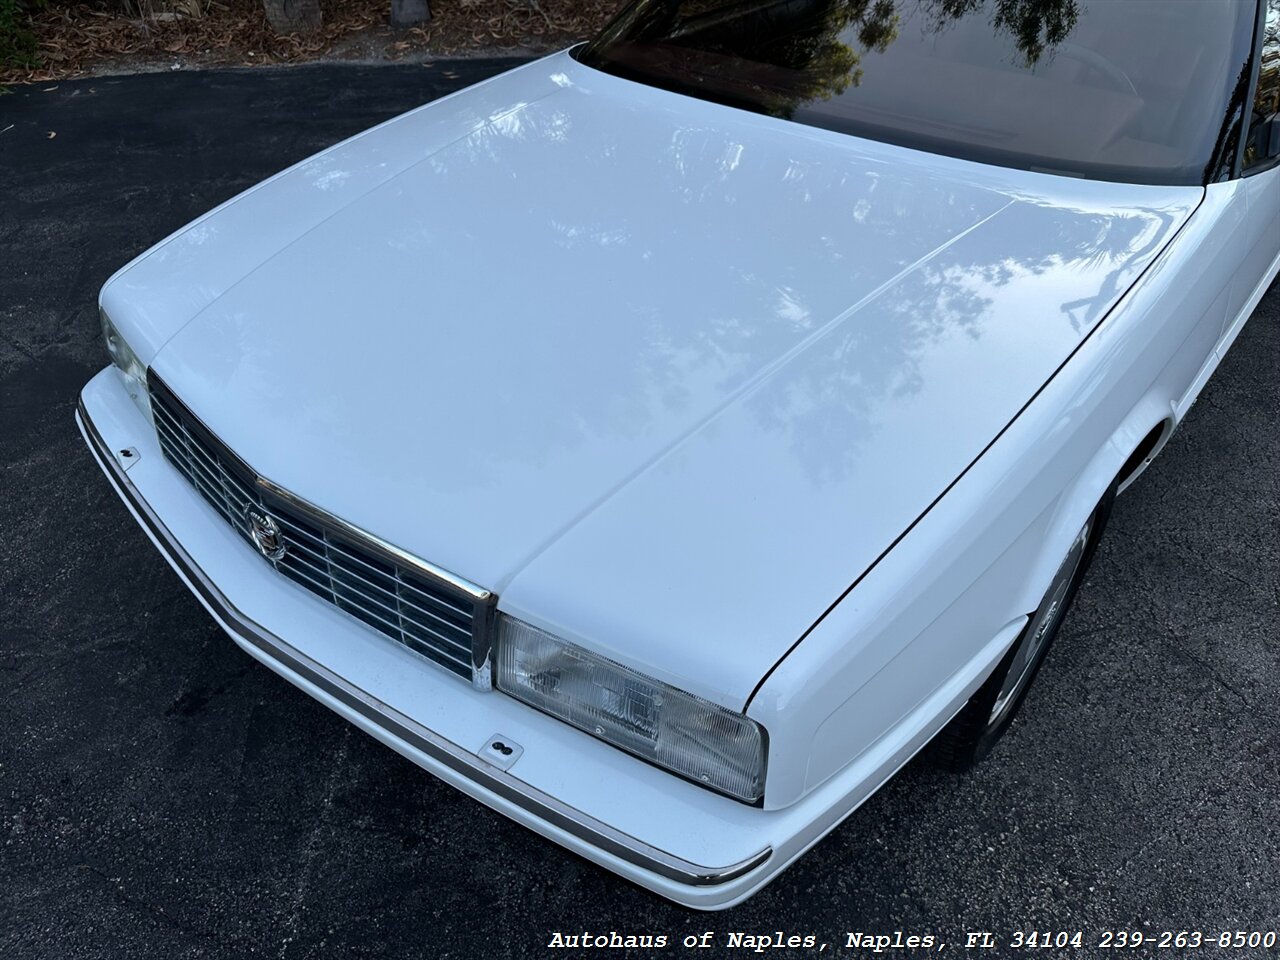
pixel 540 805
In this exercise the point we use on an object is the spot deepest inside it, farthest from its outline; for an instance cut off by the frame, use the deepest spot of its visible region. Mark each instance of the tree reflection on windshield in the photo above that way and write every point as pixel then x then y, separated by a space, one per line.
pixel 1032 24
pixel 1132 91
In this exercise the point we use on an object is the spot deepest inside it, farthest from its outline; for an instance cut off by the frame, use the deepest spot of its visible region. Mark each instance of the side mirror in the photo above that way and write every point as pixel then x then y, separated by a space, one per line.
pixel 1264 138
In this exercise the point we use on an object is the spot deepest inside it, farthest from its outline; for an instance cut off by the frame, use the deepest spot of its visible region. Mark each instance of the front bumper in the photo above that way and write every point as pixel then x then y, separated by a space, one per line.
pixel 674 838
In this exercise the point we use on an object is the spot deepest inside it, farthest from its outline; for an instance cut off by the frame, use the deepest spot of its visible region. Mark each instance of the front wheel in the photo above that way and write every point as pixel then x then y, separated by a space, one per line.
pixel 984 719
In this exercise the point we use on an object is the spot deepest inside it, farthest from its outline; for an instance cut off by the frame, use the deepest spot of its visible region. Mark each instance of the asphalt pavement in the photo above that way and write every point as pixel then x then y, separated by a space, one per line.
pixel 162 795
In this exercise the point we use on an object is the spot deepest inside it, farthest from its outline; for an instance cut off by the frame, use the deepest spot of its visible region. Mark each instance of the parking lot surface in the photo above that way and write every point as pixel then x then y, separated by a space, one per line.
pixel 162 795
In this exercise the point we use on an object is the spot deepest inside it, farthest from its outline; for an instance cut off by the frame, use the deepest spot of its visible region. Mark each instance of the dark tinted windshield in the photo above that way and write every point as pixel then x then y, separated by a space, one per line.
pixel 1133 90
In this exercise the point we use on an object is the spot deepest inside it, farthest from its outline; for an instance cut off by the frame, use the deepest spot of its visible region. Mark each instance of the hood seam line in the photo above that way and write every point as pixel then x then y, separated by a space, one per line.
pixel 753 383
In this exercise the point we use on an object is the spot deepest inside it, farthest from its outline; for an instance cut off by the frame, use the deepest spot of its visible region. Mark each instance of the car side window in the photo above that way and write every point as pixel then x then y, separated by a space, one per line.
pixel 1263 143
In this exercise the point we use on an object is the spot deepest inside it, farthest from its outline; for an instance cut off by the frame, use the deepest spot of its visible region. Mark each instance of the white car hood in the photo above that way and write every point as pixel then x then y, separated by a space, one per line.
pixel 665 375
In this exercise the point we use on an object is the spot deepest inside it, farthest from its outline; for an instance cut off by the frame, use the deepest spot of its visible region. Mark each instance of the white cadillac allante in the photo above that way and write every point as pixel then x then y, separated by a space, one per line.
pixel 664 441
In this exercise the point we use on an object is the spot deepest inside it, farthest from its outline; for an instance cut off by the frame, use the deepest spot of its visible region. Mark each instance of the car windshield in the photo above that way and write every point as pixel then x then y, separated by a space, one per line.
pixel 1130 90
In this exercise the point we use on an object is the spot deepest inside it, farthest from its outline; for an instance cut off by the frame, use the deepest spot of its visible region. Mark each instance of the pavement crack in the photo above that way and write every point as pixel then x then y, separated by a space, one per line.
pixel 1209 669
pixel 19 347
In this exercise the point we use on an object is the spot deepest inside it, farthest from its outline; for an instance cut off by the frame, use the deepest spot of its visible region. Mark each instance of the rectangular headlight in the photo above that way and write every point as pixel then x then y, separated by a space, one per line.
pixel 687 735
pixel 132 371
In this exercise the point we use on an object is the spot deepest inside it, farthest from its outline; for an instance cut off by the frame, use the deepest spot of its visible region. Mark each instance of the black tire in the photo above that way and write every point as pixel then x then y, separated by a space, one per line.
pixel 979 725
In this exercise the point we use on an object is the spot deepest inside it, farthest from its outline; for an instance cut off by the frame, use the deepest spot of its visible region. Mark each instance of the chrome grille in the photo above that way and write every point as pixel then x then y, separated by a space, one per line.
pixel 429 617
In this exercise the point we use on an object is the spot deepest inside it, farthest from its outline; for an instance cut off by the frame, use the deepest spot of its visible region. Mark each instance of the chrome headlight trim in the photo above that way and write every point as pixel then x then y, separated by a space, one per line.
pixel 684 734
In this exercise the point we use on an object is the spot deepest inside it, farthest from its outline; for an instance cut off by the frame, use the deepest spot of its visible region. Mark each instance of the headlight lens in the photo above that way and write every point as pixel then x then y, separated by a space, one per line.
pixel 131 368
pixel 686 734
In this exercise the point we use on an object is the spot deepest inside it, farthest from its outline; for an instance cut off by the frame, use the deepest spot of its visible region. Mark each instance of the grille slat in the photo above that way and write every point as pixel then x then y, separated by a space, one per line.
pixel 445 613
pixel 345 597
pixel 420 595
pixel 388 597
pixel 197 458
pixel 373 613
pixel 316 569
pixel 312 558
